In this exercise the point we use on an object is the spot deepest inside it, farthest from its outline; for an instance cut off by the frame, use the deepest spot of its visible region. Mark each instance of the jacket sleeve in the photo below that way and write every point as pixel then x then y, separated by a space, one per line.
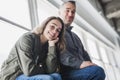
pixel 68 59
pixel 86 56
pixel 75 53
pixel 84 53
pixel 24 49
pixel 51 60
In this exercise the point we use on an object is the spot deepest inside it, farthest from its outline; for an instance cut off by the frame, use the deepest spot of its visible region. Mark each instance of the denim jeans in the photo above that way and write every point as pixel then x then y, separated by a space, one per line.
pixel 54 76
pixel 88 73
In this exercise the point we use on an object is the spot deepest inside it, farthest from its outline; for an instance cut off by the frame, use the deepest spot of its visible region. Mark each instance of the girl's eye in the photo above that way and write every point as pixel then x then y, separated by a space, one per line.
pixel 52 27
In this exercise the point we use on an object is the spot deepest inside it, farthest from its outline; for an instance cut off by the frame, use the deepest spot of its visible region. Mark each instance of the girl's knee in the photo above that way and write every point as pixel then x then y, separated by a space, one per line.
pixel 48 78
pixel 42 77
pixel 56 76
pixel 36 77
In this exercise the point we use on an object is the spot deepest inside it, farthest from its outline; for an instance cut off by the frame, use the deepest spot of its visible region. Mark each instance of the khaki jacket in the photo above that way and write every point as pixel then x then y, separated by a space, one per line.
pixel 29 57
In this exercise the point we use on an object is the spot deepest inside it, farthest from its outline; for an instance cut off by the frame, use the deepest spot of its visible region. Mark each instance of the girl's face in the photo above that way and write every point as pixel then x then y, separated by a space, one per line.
pixel 52 30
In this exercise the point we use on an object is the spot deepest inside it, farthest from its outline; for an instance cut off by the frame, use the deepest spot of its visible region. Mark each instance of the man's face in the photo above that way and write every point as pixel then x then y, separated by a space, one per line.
pixel 67 13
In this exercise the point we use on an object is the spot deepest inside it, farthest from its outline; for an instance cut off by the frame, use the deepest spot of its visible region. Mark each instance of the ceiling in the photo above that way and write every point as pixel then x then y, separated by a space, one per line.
pixel 111 11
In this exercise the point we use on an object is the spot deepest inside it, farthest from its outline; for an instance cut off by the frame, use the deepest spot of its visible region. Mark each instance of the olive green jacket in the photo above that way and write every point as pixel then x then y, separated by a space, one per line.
pixel 29 57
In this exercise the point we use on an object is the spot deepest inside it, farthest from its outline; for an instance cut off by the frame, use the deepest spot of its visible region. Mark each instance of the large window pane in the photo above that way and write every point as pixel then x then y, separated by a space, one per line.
pixel 45 9
pixel 8 36
pixel 92 48
pixel 98 62
pixel 117 57
pixel 110 72
pixel 16 11
pixel 103 54
pixel 117 73
pixel 111 58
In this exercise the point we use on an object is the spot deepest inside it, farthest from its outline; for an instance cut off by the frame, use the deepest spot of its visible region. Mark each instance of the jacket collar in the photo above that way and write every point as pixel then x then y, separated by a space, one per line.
pixel 69 28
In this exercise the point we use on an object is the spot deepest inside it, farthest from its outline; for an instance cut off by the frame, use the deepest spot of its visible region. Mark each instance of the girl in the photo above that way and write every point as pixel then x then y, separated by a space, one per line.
pixel 35 55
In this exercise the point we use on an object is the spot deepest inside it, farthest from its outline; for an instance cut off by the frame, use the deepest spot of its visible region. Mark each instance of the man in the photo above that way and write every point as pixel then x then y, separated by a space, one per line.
pixel 75 61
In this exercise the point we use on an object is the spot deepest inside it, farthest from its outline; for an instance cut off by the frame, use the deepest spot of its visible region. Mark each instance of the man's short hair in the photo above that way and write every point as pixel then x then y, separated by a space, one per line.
pixel 72 2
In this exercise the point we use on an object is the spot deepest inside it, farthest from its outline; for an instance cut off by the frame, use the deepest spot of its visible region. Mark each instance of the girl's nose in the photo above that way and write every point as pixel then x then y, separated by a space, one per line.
pixel 54 31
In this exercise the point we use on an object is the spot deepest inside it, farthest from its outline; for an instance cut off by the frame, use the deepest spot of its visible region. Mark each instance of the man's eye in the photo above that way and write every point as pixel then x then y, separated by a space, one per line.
pixel 67 10
pixel 73 12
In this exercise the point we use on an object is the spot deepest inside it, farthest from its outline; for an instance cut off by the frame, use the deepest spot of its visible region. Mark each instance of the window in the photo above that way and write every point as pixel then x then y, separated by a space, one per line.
pixel 8 36
pixel 45 9
pixel 111 57
pixel 117 73
pixel 110 72
pixel 92 48
pixel 103 54
pixel 100 63
pixel 16 11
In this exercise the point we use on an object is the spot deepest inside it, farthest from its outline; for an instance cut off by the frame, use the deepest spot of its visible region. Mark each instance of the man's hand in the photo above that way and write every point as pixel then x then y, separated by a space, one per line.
pixel 86 64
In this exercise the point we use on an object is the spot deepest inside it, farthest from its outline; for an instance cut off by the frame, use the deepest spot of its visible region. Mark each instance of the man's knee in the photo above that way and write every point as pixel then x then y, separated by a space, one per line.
pixel 99 72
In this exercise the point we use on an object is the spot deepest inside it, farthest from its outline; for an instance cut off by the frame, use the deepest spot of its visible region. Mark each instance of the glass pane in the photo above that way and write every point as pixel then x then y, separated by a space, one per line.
pixel 16 11
pixel 111 58
pixel 117 73
pixel 92 48
pixel 98 62
pixel 45 9
pixel 8 36
pixel 117 57
pixel 110 72
pixel 103 55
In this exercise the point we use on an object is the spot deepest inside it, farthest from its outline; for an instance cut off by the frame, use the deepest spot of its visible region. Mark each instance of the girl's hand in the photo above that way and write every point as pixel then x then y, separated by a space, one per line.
pixel 52 42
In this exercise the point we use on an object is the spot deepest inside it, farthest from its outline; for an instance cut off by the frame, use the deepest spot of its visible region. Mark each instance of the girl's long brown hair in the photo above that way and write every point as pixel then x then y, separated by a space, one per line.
pixel 40 29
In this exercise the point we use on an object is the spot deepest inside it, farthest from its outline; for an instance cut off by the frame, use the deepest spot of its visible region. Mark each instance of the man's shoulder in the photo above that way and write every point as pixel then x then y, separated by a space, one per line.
pixel 74 34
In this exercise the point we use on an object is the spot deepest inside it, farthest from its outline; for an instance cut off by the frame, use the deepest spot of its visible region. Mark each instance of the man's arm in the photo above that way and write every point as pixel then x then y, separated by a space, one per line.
pixel 70 60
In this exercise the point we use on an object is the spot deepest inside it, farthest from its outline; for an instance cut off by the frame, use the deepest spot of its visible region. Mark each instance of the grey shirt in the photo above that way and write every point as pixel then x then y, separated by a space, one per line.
pixel 75 53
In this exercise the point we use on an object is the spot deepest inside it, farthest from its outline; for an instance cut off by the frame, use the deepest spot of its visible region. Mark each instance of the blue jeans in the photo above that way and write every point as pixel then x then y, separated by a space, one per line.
pixel 88 73
pixel 54 76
